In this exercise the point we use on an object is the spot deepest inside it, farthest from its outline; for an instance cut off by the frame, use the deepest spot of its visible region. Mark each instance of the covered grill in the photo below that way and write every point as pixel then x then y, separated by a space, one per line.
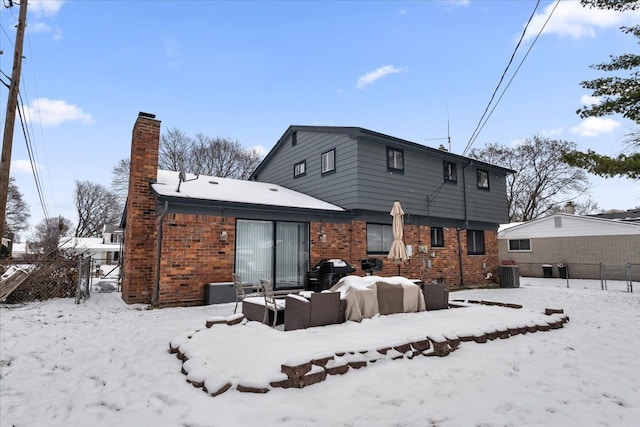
pixel 326 273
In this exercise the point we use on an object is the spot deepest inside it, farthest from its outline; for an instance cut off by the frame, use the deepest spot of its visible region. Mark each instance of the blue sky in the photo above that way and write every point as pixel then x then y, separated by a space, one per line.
pixel 248 70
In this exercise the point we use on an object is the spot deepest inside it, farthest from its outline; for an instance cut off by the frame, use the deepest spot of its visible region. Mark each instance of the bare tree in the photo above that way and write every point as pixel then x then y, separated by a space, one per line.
pixel 95 206
pixel 543 182
pixel 120 180
pixel 48 233
pixel 174 150
pixel 17 214
pixel 220 157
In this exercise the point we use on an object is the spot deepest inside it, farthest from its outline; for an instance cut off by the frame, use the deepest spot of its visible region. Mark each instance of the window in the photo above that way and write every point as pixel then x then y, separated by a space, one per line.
pixel 475 242
pixel 450 172
pixel 294 139
pixel 300 169
pixel 483 179
pixel 519 245
pixel 379 238
pixel 116 256
pixel 329 161
pixel 395 159
pixel 437 237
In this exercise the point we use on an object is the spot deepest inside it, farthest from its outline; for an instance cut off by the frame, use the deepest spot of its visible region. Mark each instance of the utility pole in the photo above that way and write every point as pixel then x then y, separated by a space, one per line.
pixel 12 104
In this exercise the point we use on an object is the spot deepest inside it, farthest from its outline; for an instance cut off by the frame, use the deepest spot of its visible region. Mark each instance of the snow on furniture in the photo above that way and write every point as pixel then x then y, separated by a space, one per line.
pixel 266 308
pixel 436 296
pixel 370 295
pixel 319 309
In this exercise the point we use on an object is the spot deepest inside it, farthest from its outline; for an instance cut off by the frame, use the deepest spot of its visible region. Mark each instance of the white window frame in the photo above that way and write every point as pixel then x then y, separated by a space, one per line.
pixel 328 161
pixel 300 169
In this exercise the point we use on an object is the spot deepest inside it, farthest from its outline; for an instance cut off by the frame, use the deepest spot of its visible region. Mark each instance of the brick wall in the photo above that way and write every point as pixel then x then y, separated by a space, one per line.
pixel 193 253
pixel 140 232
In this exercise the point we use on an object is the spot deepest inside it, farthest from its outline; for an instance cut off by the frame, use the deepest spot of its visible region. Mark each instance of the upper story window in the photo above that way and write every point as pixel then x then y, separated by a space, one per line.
pixel 329 161
pixel 379 238
pixel 475 242
pixel 300 169
pixel 294 138
pixel 395 159
pixel 483 179
pixel 450 172
pixel 520 245
pixel 437 237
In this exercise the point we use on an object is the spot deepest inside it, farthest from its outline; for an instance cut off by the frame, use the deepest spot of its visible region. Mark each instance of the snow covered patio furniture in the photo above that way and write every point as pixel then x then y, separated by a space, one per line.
pixel 313 309
pixel 266 308
pixel 241 290
pixel 370 295
pixel 436 297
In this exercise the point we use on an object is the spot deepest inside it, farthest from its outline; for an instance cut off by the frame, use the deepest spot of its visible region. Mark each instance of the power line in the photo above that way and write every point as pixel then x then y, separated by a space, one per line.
pixel 518 68
pixel 34 167
pixel 475 133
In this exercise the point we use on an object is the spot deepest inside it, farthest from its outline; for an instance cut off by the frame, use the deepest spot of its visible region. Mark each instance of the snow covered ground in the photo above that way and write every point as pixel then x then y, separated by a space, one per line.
pixel 104 363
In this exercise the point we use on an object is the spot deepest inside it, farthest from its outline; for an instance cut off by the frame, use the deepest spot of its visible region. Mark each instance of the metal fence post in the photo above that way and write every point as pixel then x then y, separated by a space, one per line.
pixel 79 287
pixel 603 277
pixel 629 282
pixel 566 266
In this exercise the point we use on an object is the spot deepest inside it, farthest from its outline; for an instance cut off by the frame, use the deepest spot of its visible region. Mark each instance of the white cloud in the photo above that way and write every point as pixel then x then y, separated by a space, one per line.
pixel 556 131
pixel 379 73
pixel 52 112
pixel 594 126
pixel 22 166
pixel 570 19
pixel 45 7
pixel 589 100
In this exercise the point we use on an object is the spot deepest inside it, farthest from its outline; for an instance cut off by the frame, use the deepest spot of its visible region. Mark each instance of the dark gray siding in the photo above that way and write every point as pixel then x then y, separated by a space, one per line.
pixel 422 190
pixel 339 187
pixel 363 182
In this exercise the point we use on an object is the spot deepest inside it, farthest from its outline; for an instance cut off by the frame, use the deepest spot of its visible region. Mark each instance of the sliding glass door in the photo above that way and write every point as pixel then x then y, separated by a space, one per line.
pixel 273 250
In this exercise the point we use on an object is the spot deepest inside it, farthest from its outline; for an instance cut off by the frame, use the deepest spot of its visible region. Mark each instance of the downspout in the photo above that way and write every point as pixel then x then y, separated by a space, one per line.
pixel 156 299
pixel 466 219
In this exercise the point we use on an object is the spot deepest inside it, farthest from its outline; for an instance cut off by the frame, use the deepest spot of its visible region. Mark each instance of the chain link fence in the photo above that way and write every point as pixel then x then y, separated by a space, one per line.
pixel 627 274
pixel 56 277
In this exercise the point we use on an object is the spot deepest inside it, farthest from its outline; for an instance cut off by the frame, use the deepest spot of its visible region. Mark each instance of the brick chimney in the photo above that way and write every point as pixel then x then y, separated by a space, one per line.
pixel 569 208
pixel 140 227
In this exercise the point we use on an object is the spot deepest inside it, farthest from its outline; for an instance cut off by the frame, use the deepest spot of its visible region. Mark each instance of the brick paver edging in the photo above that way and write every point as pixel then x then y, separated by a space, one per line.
pixel 302 374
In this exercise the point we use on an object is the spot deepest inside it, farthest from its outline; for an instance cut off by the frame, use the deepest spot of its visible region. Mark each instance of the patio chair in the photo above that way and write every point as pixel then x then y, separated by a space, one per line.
pixel 241 290
pixel 270 302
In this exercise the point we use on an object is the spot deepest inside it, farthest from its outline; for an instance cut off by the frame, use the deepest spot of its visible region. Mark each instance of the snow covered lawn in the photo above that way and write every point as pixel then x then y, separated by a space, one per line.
pixel 104 363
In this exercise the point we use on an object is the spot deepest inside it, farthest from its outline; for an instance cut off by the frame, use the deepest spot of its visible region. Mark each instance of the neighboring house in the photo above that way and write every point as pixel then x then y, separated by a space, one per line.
pixel 630 215
pixel 581 243
pixel 105 251
pixel 336 187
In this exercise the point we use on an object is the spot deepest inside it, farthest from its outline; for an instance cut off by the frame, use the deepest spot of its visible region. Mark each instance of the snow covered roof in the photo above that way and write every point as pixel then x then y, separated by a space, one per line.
pixel 88 243
pixel 566 225
pixel 235 191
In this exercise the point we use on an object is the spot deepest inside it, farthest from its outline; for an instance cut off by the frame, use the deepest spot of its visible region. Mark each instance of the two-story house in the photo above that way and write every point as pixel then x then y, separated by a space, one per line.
pixel 453 204
pixel 322 192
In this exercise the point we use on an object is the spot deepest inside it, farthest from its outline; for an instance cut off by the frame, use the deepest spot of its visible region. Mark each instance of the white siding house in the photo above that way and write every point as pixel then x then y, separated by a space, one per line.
pixel 585 245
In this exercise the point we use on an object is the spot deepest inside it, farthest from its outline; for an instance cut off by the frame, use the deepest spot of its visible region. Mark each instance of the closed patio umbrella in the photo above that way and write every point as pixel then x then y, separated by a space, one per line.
pixel 398 251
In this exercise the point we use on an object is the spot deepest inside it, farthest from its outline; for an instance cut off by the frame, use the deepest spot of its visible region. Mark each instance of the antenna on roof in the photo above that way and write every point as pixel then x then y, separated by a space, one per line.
pixel 182 177
pixel 448 138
